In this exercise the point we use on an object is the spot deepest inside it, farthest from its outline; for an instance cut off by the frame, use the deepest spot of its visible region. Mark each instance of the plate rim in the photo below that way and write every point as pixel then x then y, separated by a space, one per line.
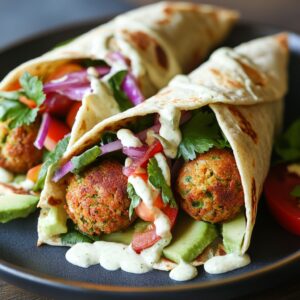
pixel 38 278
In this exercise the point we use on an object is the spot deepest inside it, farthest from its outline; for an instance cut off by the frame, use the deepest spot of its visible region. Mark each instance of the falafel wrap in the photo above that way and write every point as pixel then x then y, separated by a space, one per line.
pixel 103 72
pixel 178 177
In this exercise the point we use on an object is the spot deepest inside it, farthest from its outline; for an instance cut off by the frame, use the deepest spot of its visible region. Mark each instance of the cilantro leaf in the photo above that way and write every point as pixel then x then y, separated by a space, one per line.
pixel 73 237
pixel 52 158
pixel 135 199
pixel 86 158
pixel 86 63
pixel 200 134
pixel 108 137
pixel 115 83
pixel 14 111
pixel 157 179
pixel 33 88
pixel 296 191
pixel 287 145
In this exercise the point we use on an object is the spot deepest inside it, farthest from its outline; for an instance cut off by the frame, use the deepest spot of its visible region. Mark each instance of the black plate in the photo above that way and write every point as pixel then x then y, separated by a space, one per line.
pixel 274 252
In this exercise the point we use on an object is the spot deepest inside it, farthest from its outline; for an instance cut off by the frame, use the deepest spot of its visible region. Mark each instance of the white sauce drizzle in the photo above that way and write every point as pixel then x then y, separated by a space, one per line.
pixel 128 139
pixel 163 165
pixel 183 271
pixel 27 185
pixel 226 263
pixel 6 176
pixel 148 194
pixel 114 256
pixel 143 190
pixel 169 130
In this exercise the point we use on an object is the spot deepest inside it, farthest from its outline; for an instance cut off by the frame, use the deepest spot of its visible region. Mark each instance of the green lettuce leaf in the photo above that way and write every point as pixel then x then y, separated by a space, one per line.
pixel 135 199
pixel 115 83
pixel 296 191
pixel 287 145
pixel 52 158
pixel 200 134
pixel 157 179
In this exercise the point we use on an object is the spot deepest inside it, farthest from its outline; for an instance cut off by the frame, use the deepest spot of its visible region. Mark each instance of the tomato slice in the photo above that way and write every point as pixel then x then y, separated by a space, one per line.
pixel 73 113
pixel 155 148
pixel 63 70
pixel 284 207
pixel 57 131
pixel 146 239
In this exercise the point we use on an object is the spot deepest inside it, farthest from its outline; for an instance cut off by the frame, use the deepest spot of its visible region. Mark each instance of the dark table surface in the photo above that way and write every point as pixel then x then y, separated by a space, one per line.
pixel 20 19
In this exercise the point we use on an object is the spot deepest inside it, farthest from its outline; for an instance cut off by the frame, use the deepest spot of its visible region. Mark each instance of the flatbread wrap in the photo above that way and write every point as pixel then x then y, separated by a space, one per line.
pixel 103 72
pixel 190 162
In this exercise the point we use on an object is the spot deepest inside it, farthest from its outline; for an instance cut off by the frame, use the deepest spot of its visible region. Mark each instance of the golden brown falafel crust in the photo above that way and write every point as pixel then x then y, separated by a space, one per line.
pixel 17 151
pixel 97 200
pixel 210 187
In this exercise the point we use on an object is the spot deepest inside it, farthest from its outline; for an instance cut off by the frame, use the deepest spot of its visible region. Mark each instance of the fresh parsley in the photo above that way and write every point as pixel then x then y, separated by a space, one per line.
pixel 200 134
pixel 115 83
pixel 52 158
pixel 287 145
pixel 81 161
pixel 296 191
pixel 108 137
pixel 135 199
pixel 157 179
pixel 14 111
pixel 73 237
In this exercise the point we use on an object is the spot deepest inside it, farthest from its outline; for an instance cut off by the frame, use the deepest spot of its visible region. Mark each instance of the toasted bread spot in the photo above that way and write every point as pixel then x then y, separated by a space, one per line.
pixel 253 74
pixel 254 200
pixel 54 202
pixel 161 56
pixel 244 124
pixel 283 41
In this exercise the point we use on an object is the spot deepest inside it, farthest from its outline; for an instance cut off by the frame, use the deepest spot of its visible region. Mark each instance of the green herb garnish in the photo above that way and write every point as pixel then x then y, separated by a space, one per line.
pixel 200 134
pixel 135 199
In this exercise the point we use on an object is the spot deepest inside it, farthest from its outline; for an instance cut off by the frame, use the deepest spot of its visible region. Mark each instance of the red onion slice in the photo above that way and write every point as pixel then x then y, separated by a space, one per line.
pixel 135 152
pixel 131 89
pixel 43 131
pixel 110 147
pixel 64 170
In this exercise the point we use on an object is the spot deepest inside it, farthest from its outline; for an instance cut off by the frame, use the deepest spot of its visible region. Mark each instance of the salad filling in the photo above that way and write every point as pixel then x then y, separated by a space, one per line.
pixel 147 176
pixel 39 112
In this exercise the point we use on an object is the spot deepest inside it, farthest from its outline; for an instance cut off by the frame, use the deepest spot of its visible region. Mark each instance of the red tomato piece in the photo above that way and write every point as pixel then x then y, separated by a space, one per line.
pixel 284 207
pixel 73 113
pixel 146 239
pixel 57 131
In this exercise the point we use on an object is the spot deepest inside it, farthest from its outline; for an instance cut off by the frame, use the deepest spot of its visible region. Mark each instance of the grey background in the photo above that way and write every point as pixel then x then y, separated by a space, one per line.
pixel 22 18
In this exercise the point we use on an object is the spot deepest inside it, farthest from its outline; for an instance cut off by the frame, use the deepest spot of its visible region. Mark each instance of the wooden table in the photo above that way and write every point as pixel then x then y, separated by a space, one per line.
pixel 285 14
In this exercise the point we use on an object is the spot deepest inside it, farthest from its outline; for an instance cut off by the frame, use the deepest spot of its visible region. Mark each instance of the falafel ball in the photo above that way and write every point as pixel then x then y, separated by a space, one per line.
pixel 210 186
pixel 17 151
pixel 97 199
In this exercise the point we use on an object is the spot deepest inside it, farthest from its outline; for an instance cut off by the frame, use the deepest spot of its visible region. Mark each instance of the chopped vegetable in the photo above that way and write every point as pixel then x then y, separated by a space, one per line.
pixel 295 191
pixel 200 134
pixel 73 113
pixel 86 158
pixel 282 190
pixel 57 131
pixel 53 158
pixel 157 179
pixel 288 145
pixel 43 131
pixel 15 111
pixel 135 199
pixel 33 173
pixel 131 89
pixel 115 83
